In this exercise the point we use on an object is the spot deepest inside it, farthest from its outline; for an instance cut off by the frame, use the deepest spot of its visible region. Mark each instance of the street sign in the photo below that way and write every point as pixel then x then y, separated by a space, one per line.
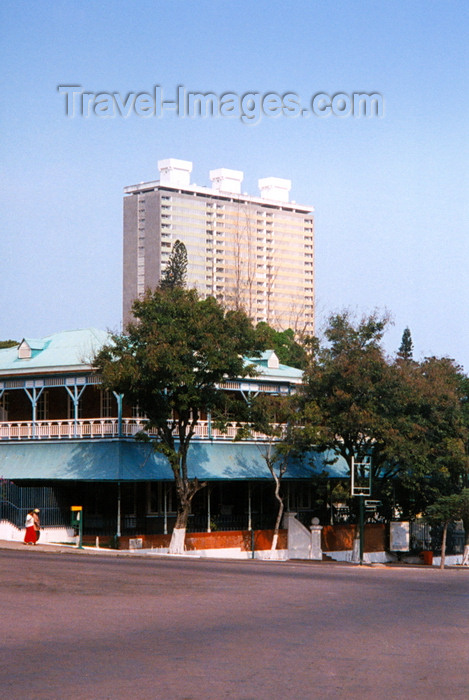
pixel 361 477
pixel 372 505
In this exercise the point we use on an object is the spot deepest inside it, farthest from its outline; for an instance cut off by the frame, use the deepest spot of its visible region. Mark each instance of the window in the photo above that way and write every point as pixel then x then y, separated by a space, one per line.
pixel 42 406
pixel 129 506
pixel 157 494
pixel 106 403
pixel 300 497
pixel 4 406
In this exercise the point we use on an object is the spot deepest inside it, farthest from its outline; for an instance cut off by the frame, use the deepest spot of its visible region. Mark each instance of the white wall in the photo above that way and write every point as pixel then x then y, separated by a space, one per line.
pixel 10 532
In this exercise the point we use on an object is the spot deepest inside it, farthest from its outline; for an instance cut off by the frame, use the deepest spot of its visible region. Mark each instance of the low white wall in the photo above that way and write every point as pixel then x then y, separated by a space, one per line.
pixel 385 557
pixel 450 560
pixel 10 532
pixel 368 557
pixel 299 538
pixel 226 553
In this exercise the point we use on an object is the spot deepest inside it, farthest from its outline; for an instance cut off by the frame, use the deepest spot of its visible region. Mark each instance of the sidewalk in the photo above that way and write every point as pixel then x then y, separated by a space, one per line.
pixel 52 548
pixel 55 548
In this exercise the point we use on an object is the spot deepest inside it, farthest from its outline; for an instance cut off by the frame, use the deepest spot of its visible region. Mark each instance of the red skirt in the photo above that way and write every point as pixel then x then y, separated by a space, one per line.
pixel 31 535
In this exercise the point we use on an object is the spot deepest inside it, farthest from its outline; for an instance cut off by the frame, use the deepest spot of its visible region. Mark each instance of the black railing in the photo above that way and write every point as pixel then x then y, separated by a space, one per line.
pixel 223 523
pixel 16 501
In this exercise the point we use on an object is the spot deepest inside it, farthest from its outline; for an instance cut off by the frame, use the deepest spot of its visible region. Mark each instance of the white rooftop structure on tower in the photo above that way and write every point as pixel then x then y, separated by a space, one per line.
pixel 225 180
pixel 174 172
pixel 275 188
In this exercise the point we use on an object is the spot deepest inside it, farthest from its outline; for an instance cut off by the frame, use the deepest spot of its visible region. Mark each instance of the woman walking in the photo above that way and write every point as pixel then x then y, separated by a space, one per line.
pixel 33 526
pixel 30 524
pixel 37 524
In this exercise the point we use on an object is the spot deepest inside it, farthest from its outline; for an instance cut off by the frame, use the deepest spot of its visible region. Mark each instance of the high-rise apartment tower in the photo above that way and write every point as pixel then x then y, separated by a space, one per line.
pixel 251 251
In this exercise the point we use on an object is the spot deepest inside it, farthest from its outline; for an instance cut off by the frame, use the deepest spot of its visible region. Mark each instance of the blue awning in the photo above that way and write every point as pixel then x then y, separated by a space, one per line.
pixel 122 460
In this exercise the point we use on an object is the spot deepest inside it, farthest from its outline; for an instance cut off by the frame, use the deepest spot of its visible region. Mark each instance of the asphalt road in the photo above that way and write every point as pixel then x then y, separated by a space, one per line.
pixel 89 628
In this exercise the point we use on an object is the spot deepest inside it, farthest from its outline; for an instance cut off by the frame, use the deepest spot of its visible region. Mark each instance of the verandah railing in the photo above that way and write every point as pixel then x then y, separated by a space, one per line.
pixel 102 428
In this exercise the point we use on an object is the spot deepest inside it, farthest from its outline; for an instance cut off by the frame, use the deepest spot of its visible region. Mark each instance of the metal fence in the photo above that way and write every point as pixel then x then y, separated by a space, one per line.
pixel 223 523
pixel 423 536
pixel 16 501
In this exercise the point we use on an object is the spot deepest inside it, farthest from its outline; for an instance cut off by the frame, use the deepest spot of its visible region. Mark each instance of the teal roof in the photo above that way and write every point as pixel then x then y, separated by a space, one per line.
pixel 59 351
pixel 268 365
pixel 75 349
pixel 132 461
pixel 283 372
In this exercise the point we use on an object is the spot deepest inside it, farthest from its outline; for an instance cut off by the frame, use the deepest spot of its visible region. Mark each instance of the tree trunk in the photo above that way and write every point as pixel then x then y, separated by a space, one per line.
pixel 186 490
pixel 465 556
pixel 178 536
pixel 356 545
pixel 277 527
pixel 279 514
pixel 443 546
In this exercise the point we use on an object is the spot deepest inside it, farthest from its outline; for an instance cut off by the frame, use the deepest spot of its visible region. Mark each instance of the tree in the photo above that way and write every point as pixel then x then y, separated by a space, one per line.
pixel 464 505
pixel 408 416
pixel 350 381
pixel 170 362
pixel 7 344
pixel 447 509
pixel 406 347
pixel 277 419
pixel 175 272
pixel 287 349
pixel 434 406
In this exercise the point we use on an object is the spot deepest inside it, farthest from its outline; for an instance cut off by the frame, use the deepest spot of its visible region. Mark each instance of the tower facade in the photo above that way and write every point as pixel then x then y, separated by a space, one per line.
pixel 255 252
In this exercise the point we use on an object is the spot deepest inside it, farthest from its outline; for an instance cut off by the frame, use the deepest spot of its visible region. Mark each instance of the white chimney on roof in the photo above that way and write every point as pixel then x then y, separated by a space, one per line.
pixel 275 188
pixel 174 172
pixel 224 180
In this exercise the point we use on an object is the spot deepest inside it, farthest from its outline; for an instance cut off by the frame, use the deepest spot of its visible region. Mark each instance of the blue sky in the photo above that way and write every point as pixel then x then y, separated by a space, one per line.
pixel 390 194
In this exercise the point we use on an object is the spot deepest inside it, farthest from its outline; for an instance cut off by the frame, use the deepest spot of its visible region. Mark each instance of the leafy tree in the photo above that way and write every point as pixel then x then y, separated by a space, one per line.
pixel 349 380
pixel 409 416
pixel 7 344
pixel 406 348
pixel 434 462
pixel 171 361
pixel 447 509
pixel 277 419
pixel 175 272
pixel 288 350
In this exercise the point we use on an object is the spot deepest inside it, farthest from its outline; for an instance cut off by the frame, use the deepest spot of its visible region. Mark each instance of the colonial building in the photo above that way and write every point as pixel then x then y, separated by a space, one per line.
pixel 250 251
pixel 64 441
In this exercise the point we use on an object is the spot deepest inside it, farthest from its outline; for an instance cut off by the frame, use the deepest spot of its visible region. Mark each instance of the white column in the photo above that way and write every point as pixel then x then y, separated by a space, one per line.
pixel 316 548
